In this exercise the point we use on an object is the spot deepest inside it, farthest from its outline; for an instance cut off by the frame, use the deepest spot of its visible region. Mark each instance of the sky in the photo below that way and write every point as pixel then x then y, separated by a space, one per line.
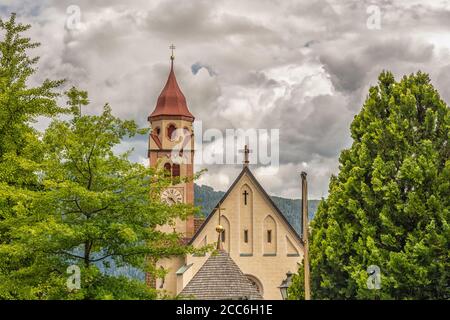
pixel 300 66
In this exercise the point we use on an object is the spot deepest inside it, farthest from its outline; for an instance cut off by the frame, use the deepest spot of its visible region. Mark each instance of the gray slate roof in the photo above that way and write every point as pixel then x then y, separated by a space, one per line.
pixel 220 279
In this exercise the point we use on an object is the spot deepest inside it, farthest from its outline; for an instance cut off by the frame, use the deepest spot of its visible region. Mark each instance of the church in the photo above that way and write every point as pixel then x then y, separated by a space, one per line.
pixel 257 246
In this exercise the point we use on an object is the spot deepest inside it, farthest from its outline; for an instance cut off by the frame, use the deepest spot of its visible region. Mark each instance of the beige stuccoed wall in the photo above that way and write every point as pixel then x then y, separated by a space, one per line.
pixel 270 270
pixel 170 281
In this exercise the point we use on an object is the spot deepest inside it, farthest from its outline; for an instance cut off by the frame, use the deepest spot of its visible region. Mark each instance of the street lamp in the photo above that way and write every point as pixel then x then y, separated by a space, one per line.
pixel 285 285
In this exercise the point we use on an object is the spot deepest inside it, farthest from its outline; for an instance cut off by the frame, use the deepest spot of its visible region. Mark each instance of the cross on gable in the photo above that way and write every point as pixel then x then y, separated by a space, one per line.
pixel 245 194
pixel 219 208
pixel 246 152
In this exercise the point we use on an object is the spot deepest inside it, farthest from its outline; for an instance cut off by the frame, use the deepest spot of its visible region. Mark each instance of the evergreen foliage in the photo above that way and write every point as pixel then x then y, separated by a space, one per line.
pixel 390 203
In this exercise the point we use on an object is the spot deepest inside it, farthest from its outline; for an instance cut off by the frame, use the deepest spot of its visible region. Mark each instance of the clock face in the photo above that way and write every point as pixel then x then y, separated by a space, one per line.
pixel 171 196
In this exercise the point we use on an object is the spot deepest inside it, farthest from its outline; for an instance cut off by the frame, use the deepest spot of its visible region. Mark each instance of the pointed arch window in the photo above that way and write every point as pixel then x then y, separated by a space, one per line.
pixel 270 236
pixel 171 131
pixel 176 170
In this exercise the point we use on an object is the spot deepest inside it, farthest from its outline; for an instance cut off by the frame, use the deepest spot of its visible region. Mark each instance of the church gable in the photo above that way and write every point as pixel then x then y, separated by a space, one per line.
pixel 256 236
pixel 252 221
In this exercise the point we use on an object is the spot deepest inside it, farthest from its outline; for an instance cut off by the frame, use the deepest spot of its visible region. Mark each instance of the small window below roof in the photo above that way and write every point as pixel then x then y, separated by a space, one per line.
pixel 269 236
pixel 171 132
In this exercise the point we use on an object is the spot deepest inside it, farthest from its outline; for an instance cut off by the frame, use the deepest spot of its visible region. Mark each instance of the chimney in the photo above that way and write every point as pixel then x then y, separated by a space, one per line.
pixel 305 232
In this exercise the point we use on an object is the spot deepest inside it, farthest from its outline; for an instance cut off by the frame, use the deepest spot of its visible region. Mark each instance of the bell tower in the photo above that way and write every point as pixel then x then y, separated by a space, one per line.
pixel 171 145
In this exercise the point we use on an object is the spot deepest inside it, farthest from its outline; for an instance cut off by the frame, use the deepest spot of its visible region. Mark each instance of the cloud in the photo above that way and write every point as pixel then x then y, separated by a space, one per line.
pixel 303 67
pixel 195 68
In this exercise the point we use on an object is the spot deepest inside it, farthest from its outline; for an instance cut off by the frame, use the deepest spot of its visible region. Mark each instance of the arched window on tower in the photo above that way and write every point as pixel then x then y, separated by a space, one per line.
pixel 270 236
pixel 171 131
pixel 176 170
pixel 225 236
pixel 167 169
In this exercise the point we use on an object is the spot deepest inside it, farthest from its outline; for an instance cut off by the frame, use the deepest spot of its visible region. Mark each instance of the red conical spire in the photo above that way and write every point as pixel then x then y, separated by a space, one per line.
pixel 171 101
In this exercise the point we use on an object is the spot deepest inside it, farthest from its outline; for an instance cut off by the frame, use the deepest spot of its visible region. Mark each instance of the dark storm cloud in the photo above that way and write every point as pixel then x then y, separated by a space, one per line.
pixel 317 127
pixel 303 67
pixel 348 72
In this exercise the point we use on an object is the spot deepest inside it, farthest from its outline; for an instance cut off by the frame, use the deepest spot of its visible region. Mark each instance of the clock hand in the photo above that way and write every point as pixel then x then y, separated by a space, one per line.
pixel 171 199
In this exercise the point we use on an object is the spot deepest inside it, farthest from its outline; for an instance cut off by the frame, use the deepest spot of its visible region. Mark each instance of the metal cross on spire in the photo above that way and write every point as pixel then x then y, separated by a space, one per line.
pixel 172 47
pixel 246 152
